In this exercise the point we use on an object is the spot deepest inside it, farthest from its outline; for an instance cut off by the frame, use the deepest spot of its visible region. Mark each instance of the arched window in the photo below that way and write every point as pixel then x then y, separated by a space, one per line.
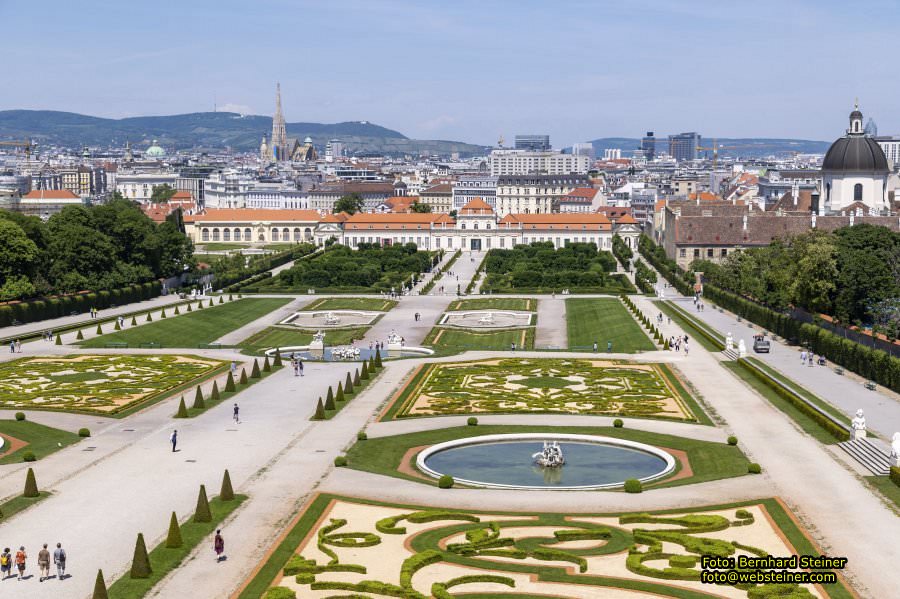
pixel 226 235
pixel 205 235
pixel 248 234
pixel 237 234
pixel 285 234
pixel 215 234
pixel 274 234
pixel 297 234
pixel 857 192
pixel 308 233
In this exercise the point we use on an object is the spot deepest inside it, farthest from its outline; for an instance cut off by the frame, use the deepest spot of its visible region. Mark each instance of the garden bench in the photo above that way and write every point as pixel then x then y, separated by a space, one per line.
pixel 151 345
pixel 118 345
pixel 870 385
pixel 839 370
pixel 210 346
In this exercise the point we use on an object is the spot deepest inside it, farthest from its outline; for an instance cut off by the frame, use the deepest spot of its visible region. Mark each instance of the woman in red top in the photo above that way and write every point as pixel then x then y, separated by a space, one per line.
pixel 21 556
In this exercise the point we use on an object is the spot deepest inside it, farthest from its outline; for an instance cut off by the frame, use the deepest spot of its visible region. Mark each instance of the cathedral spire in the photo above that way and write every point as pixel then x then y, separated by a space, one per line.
pixel 278 143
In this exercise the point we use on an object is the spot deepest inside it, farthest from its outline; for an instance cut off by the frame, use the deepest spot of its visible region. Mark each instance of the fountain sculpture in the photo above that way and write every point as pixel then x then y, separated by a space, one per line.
pixel 331 319
pixel 551 456
pixel 487 318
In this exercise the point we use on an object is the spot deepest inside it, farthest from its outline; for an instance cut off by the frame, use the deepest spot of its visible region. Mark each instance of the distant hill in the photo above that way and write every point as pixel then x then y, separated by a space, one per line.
pixel 745 147
pixel 208 131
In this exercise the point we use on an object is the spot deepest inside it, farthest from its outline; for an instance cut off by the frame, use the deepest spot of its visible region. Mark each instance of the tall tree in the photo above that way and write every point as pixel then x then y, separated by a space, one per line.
pixel 351 204
pixel 162 193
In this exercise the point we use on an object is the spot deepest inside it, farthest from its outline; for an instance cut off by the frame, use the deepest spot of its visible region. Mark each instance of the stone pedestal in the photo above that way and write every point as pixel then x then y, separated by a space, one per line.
pixel 859 434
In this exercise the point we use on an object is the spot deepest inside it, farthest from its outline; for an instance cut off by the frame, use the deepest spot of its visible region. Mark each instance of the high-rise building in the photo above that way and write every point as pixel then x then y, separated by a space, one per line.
pixel 334 150
pixel 871 128
pixel 583 149
pixel 537 143
pixel 524 162
pixel 684 146
pixel 648 145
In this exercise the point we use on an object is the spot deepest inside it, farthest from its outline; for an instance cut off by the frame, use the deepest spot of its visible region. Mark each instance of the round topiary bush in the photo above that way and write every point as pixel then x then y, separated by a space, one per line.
pixel 754 468
pixel 361 436
pixel 618 423
pixel 340 461
pixel 20 416
pixel 83 432
pixel 732 440
pixel 633 485
pixel 29 456
pixel 445 481
pixel 472 421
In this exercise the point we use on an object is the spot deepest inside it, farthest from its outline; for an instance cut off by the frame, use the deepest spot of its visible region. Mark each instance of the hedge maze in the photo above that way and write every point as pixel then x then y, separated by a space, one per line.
pixel 103 384
pixel 566 386
pixel 355 547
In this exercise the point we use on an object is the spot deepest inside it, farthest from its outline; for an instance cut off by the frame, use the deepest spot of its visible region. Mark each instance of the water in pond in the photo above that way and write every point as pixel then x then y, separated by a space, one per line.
pixel 510 463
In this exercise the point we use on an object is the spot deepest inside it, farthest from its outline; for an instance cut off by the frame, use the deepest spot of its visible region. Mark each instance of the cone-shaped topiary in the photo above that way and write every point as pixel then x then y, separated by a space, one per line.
pixel 149 318
pixel 80 335
pixel 140 564
pixel 134 321
pixel 320 411
pixel 229 384
pixel 226 493
pixel 329 396
pixel 230 297
pixel 329 403
pixel 221 301
pixel 199 404
pixel 189 308
pixel 173 539
pixel 377 358
pixel 117 327
pixel 99 330
pixel 266 366
pixel 666 344
pixel 348 385
pixel 182 409
pixel 356 379
pixel 214 395
pixel 254 373
pixel 202 513
pixel 339 396
pixel 364 374
pixel 200 305
pixel 163 313
pixel 276 362
pixel 58 339
pixel 243 380
pixel 31 488
pixel 100 587
pixel 177 311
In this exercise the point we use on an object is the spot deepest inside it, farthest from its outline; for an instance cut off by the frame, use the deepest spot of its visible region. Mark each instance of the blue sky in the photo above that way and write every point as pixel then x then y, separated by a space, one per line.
pixel 466 70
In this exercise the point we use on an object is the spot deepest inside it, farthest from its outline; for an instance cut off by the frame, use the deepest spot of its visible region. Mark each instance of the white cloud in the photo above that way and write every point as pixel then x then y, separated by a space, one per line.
pixel 232 107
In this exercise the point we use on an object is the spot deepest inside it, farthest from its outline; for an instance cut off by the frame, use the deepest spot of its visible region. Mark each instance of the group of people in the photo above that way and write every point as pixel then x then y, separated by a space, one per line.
pixel 297 365
pixel 698 303
pixel 15 347
pixel 47 335
pixel 811 359
pixel 659 318
pixel 677 342
pixel 95 313
pixel 15 564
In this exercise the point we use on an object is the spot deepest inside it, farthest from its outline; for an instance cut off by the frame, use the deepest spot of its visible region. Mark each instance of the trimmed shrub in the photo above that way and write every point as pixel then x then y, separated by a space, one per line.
pixel 329 403
pixel 221 300
pixel 100 587
pixel 202 513
pixel 280 593
pixel 117 327
pixel 266 366
pixel 200 305
pixel 229 383
pixel 618 423
pixel 189 309
pixel 472 421
pixel 177 311
pixel 445 481
pixel 254 373
pixel 163 313
pixel 356 379
pixel 361 436
pixel 276 362
pixel 99 330
pixel 199 404
pixel 732 440
pixel 173 539
pixel 340 461
pixel 140 563
pixel 377 358
pixel 339 396
pixel 80 337
pixel 134 321
pixel 895 475
pixel 149 318
pixel 633 485
pixel 29 456
pixel 83 432
pixel 20 416
pixel 182 409
pixel 320 411
pixel 226 493
pixel 243 380
pixel 58 339
pixel 754 468
pixel 31 488
pixel 364 374
pixel 348 385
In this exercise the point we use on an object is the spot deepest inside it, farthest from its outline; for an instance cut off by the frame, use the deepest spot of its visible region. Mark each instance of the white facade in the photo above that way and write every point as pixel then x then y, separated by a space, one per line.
pixel 524 162
pixel 139 186
pixel 227 189
pixel 891 147
pixel 277 199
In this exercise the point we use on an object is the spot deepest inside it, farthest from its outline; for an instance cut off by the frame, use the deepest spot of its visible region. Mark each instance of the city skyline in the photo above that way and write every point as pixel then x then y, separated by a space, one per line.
pixel 455 72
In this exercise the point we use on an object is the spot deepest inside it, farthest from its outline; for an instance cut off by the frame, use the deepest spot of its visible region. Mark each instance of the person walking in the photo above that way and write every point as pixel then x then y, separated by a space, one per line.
pixel 219 546
pixel 12 347
pixel 59 558
pixel 6 560
pixel 44 563
pixel 21 556
pixel 300 366
pixel 18 346
pixel 237 418
pixel 173 439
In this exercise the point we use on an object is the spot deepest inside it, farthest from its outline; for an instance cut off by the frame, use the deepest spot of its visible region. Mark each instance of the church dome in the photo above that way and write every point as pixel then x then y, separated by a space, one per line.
pixel 154 151
pixel 856 151
pixel 308 140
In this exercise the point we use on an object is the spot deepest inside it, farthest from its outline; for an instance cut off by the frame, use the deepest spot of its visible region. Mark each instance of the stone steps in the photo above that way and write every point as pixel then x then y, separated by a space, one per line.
pixel 730 354
pixel 867 454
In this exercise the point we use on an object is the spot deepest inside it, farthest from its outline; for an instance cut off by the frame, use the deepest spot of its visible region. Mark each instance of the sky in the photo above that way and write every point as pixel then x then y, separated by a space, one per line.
pixel 466 70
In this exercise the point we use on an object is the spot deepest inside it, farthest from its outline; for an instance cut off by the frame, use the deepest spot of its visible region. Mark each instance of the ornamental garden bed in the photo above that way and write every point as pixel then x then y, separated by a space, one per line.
pixel 454 340
pixel 356 547
pixel 546 385
pixel 494 303
pixel 350 303
pixel 99 384
pixel 290 337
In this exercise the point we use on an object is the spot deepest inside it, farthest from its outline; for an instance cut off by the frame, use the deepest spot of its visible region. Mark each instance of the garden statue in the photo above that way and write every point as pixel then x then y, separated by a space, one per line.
pixel 550 456
pixel 487 318
pixel 742 349
pixel 895 449
pixel 729 341
pixel 318 343
pixel 330 318
pixel 859 425
pixel 395 341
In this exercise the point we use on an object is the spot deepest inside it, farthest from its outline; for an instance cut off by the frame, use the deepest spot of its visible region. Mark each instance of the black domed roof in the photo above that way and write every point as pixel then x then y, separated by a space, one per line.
pixel 856 153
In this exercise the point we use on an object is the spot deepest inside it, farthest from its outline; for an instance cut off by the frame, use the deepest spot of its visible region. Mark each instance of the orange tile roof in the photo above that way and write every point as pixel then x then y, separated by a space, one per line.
pixel 582 192
pixel 626 219
pixel 558 221
pixel 476 205
pixel 182 195
pixel 705 196
pixel 253 214
pixel 50 194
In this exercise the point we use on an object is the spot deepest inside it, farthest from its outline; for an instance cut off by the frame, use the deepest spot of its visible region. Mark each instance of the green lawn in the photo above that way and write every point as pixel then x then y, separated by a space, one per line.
pixel 494 303
pixel 699 331
pixel 20 503
pixel 455 340
pixel 199 327
pixel 887 487
pixel 163 559
pixel 218 246
pixel 42 440
pixel 289 337
pixel 709 461
pixel 350 303
pixel 602 320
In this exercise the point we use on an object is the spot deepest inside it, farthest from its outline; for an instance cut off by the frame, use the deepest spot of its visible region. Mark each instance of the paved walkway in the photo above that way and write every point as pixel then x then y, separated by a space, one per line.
pixel 552 329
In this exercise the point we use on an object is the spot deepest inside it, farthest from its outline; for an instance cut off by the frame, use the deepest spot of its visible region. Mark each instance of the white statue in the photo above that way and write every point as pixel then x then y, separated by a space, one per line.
pixel 742 349
pixel 895 449
pixel 487 318
pixel 330 318
pixel 859 425
pixel 395 341
pixel 550 456
pixel 729 341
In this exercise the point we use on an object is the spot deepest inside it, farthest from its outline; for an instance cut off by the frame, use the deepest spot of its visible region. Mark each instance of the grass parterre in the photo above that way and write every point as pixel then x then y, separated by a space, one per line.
pixel 456 340
pixel 350 303
pixel 604 320
pixel 101 384
pixel 568 386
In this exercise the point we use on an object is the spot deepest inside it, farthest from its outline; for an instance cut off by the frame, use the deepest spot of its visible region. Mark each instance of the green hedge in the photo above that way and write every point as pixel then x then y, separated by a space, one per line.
pixel 656 256
pixel 64 305
pixel 895 475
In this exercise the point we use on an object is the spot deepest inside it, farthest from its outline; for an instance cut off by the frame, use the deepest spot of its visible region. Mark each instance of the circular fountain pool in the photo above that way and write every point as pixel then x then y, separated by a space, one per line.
pixel 505 462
